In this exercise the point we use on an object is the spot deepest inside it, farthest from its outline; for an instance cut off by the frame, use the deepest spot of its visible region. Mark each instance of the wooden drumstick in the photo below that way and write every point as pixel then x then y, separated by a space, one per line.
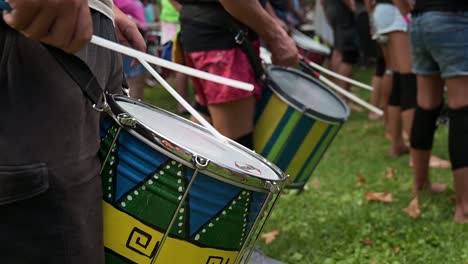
pixel 182 101
pixel 170 65
pixel 339 76
pixel 351 96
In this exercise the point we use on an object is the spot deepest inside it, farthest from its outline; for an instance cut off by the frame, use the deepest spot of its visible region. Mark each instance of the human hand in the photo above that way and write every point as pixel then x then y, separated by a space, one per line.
pixel 65 24
pixel 283 51
pixel 127 31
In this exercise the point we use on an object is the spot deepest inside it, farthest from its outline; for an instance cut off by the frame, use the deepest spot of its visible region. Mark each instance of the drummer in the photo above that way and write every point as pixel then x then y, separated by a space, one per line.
pixel 209 30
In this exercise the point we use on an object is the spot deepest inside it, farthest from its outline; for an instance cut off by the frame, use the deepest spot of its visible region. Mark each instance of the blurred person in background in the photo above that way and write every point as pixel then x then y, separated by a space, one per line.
pixel 134 72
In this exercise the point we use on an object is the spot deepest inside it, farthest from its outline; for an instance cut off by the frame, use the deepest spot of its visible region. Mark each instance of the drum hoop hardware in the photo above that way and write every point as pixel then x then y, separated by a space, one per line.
pixel 110 149
pixel 126 120
pixel 174 217
pixel 272 186
pixel 200 162
pixel 103 107
pixel 263 224
pixel 248 239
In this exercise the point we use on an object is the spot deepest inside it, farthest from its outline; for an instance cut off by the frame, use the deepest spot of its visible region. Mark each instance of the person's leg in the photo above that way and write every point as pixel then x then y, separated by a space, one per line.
pixel 137 86
pixel 399 46
pixel 375 96
pixel 234 119
pixel 181 86
pixel 386 90
pixel 430 96
pixel 458 137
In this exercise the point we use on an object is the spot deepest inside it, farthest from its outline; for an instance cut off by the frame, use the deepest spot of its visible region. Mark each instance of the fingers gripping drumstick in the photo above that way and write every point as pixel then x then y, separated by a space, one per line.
pixel 158 61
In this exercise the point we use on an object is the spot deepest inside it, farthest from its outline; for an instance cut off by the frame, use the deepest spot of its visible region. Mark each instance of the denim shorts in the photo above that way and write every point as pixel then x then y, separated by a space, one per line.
pixel 439 41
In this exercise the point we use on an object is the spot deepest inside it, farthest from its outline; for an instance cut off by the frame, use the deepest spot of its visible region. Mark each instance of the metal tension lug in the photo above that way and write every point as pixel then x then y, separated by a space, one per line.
pixel 200 162
pixel 272 187
pixel 126 120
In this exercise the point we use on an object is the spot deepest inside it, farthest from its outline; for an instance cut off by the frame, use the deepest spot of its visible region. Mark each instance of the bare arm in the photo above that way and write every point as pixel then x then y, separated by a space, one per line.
pixel 252 14
pixel 404 6
pixel 272 13
pixel 369 4
pixel 351 4
pixel 176 5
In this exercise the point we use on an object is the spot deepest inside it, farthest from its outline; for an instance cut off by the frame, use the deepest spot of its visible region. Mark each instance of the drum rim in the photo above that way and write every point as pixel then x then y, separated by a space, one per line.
pixel 185 155
pixel 300 106
pixel 299 33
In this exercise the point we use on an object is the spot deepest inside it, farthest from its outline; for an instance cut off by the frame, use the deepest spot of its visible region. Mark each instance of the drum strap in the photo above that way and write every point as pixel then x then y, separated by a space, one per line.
pixel 80 73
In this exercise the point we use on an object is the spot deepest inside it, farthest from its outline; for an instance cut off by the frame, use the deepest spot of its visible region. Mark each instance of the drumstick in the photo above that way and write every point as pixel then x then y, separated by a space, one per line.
pixel 158 61
pixel 170 65
pixel 350 96
pixel 338 76
pixel 182 101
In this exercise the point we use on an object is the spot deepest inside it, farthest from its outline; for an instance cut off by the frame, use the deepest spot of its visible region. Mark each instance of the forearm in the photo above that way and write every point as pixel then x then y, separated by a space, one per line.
pixel 252 14
pixel 403 5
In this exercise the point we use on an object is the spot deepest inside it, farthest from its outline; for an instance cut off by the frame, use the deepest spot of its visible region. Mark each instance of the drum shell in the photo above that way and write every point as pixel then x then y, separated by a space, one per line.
pixel 293 140
pixel 139 201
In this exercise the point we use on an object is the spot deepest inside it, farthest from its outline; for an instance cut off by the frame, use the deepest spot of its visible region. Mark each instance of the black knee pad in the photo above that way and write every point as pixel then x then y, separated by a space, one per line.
pixel 246 141
pixel 409 87
pixel 424 126
pixel 458 137
pixel 350 56
pixel 395 96
pixel 380 67
pixel 202 109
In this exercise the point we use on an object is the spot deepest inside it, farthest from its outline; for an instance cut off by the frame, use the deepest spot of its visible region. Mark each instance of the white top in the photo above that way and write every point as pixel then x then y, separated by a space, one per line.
pixel 103 6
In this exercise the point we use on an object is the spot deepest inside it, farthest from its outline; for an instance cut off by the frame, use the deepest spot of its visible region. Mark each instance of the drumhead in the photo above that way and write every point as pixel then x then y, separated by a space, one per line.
pixel 307 94
pixel 198 141
pixel 308 43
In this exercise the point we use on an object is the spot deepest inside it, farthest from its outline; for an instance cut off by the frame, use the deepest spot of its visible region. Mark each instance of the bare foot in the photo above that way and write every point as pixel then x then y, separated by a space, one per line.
pixel 395 152
pixel 373 116
pixel 433 187
pixel 436 163
pixel 460 217
pixel 355 107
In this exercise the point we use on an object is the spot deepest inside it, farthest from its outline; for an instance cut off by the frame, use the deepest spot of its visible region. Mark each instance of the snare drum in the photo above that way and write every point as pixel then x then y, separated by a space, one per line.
pixel 310 48
pixel 296 122
pixel 175 194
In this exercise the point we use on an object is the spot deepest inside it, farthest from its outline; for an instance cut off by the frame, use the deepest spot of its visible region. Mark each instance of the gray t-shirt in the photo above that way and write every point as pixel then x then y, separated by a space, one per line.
pixel 103 6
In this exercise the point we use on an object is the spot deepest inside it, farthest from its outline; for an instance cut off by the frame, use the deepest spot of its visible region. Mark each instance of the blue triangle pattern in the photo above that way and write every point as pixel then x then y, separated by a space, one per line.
pixel 207 198
pixel 136 162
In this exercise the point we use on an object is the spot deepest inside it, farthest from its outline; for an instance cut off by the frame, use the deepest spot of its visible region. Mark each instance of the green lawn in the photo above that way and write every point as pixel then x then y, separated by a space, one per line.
pixel 331 222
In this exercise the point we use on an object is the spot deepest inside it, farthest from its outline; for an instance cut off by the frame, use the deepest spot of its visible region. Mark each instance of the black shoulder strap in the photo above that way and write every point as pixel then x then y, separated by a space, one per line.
pixel 80 73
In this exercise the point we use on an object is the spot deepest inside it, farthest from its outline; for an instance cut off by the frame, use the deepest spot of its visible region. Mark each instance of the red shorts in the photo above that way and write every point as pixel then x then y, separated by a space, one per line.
pixel 231 63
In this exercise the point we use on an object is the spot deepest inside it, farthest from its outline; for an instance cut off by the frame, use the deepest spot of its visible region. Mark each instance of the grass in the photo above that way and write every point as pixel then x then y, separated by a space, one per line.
pixel 331 222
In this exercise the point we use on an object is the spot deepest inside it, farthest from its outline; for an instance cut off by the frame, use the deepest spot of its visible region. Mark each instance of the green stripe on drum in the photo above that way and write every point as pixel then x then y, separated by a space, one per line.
pixel 284 136
pixel 316 157
pixel 267 122
pixel 309 142
pixel 294 143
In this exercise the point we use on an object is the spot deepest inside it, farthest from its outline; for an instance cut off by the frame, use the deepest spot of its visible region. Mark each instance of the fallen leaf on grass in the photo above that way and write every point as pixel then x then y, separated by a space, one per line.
pixel 315 184
pixel 397 250
pixel 367 242
pixel 270 236
pixel 413 208
pixel 361 180
pixel 390 173
pixel 379 196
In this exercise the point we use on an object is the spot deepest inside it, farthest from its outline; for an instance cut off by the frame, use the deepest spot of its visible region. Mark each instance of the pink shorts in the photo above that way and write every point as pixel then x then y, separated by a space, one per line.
pixel 231 63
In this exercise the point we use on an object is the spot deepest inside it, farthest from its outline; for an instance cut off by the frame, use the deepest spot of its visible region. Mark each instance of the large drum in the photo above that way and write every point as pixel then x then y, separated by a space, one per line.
pixel 174 194
pixel 296 122
pixel 309 48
